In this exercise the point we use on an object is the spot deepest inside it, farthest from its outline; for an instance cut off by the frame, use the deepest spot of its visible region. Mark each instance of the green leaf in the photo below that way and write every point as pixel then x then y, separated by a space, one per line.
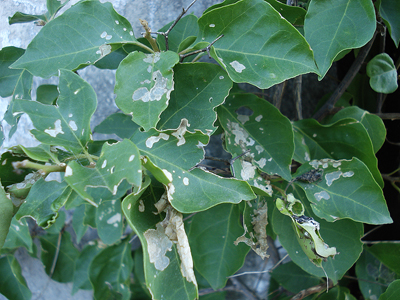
pixel 293 278
pixel 389 11
pixel 162 266
pixel 387 253
pixel 19 236
pixel 347 190
pixel 392 291
pixel 81 272
pixel 109 221
pixel 47 94
pixel 118 124
pixel 333 26
pixel 79 36
pixel 110 270
pixel 13 284
pixel 59 251
pixel 344 235
pixel 372 123
pixel 143 86
pixel 6 215
pixel 263 50
pixel 294 14
pixel 211 237
pixel 344 139
pixel 117 162
pixel 20 17
pixel 7 174
pixel 68 123
pixel 187 27
pixel 382 73
pixel 174 153
pixel 43 202
pixel 39 153
pixel 260 128
pixel 58 225
pixel 199 89
pixel 370 269
pixel 337 292
pixel 77 222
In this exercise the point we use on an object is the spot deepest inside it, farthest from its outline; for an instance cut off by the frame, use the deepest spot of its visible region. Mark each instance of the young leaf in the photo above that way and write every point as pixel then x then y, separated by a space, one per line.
pixel 71 39
pixel 61 249
pixel 344 235
pixel 344 139
pixel 331 27
pixel 109 221
pixel 110 270
pixel 199 89
pixel 13 284
pixel 143 86
pixel 117 162
pixel 389 11
pixel 263 130
pixel 346 190
pixel 382 73
pixel 211 236
pixel 68 123
pixel 263 50
pixel 174 153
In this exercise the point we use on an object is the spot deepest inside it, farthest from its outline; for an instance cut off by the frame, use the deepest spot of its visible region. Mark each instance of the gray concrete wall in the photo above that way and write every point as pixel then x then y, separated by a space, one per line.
pixel 157 13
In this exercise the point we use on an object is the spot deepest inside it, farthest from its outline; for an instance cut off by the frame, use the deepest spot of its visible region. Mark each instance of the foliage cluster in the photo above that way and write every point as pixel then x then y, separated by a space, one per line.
pixel 313 183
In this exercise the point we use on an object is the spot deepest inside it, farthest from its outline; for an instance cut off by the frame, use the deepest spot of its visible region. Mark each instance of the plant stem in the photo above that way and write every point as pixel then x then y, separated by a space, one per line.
pixel 43 169
pixel 147 35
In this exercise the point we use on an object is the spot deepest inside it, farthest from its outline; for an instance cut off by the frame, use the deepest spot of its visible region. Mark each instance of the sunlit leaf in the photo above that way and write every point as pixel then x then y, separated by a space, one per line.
pixel 264 49
pixel 347 24
pixel 13 284
pixel 143 86
pixel 382 73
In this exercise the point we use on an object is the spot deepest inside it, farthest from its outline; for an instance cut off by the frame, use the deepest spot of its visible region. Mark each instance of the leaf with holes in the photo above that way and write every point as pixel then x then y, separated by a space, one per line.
pixel 212 235
pixel 117 162
pixel 143 86
pixel 199 89
pixel 347 24
pixel 347 139
pixel 347 190
pixel 263 50
pixel 382 73
pixel 68 123
pixel 109 221
pixel 251 123
pixel 174 153
pixel 62 44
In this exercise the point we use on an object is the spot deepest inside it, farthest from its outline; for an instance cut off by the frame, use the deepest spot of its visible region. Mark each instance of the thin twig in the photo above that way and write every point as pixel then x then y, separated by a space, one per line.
pixel 147 35
pixel 388 116
pixel 183 56
pixel 371 231
pixel 379 242
pixel 348 78
pixel 312 290
pixel 369 281
pixel 297 96
pixel 243 289
pixel 277 97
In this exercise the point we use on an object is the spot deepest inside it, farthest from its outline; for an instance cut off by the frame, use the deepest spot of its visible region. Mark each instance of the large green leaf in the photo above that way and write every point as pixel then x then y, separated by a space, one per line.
pixel 109 221
pixel 264 49
pixel 173 154
pixel 389 11
pixel 388 253
pixel 110 270
pixel 382 73
pixel 392 292
pixel 79 36
pixel 344 235
pixel 260 128
pixel 43 202
pixel 12 283
pixel 211 237
pixel 68 123
pixel 336 25
pixel 60 253
pixel 162 265
pixel 143 86
pixel 345 139
pixel 18 236
pixel 347 190
pixel 372 123
pixel 117 162
pixel 199 88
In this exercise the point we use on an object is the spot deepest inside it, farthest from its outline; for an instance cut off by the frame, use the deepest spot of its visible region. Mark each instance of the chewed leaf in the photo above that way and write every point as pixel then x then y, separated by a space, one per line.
pixel 144 83
pixel 62 43
pixel 251 123
pixel 346 190
pixel 68 123
pixel 117 162
pixel 263 50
